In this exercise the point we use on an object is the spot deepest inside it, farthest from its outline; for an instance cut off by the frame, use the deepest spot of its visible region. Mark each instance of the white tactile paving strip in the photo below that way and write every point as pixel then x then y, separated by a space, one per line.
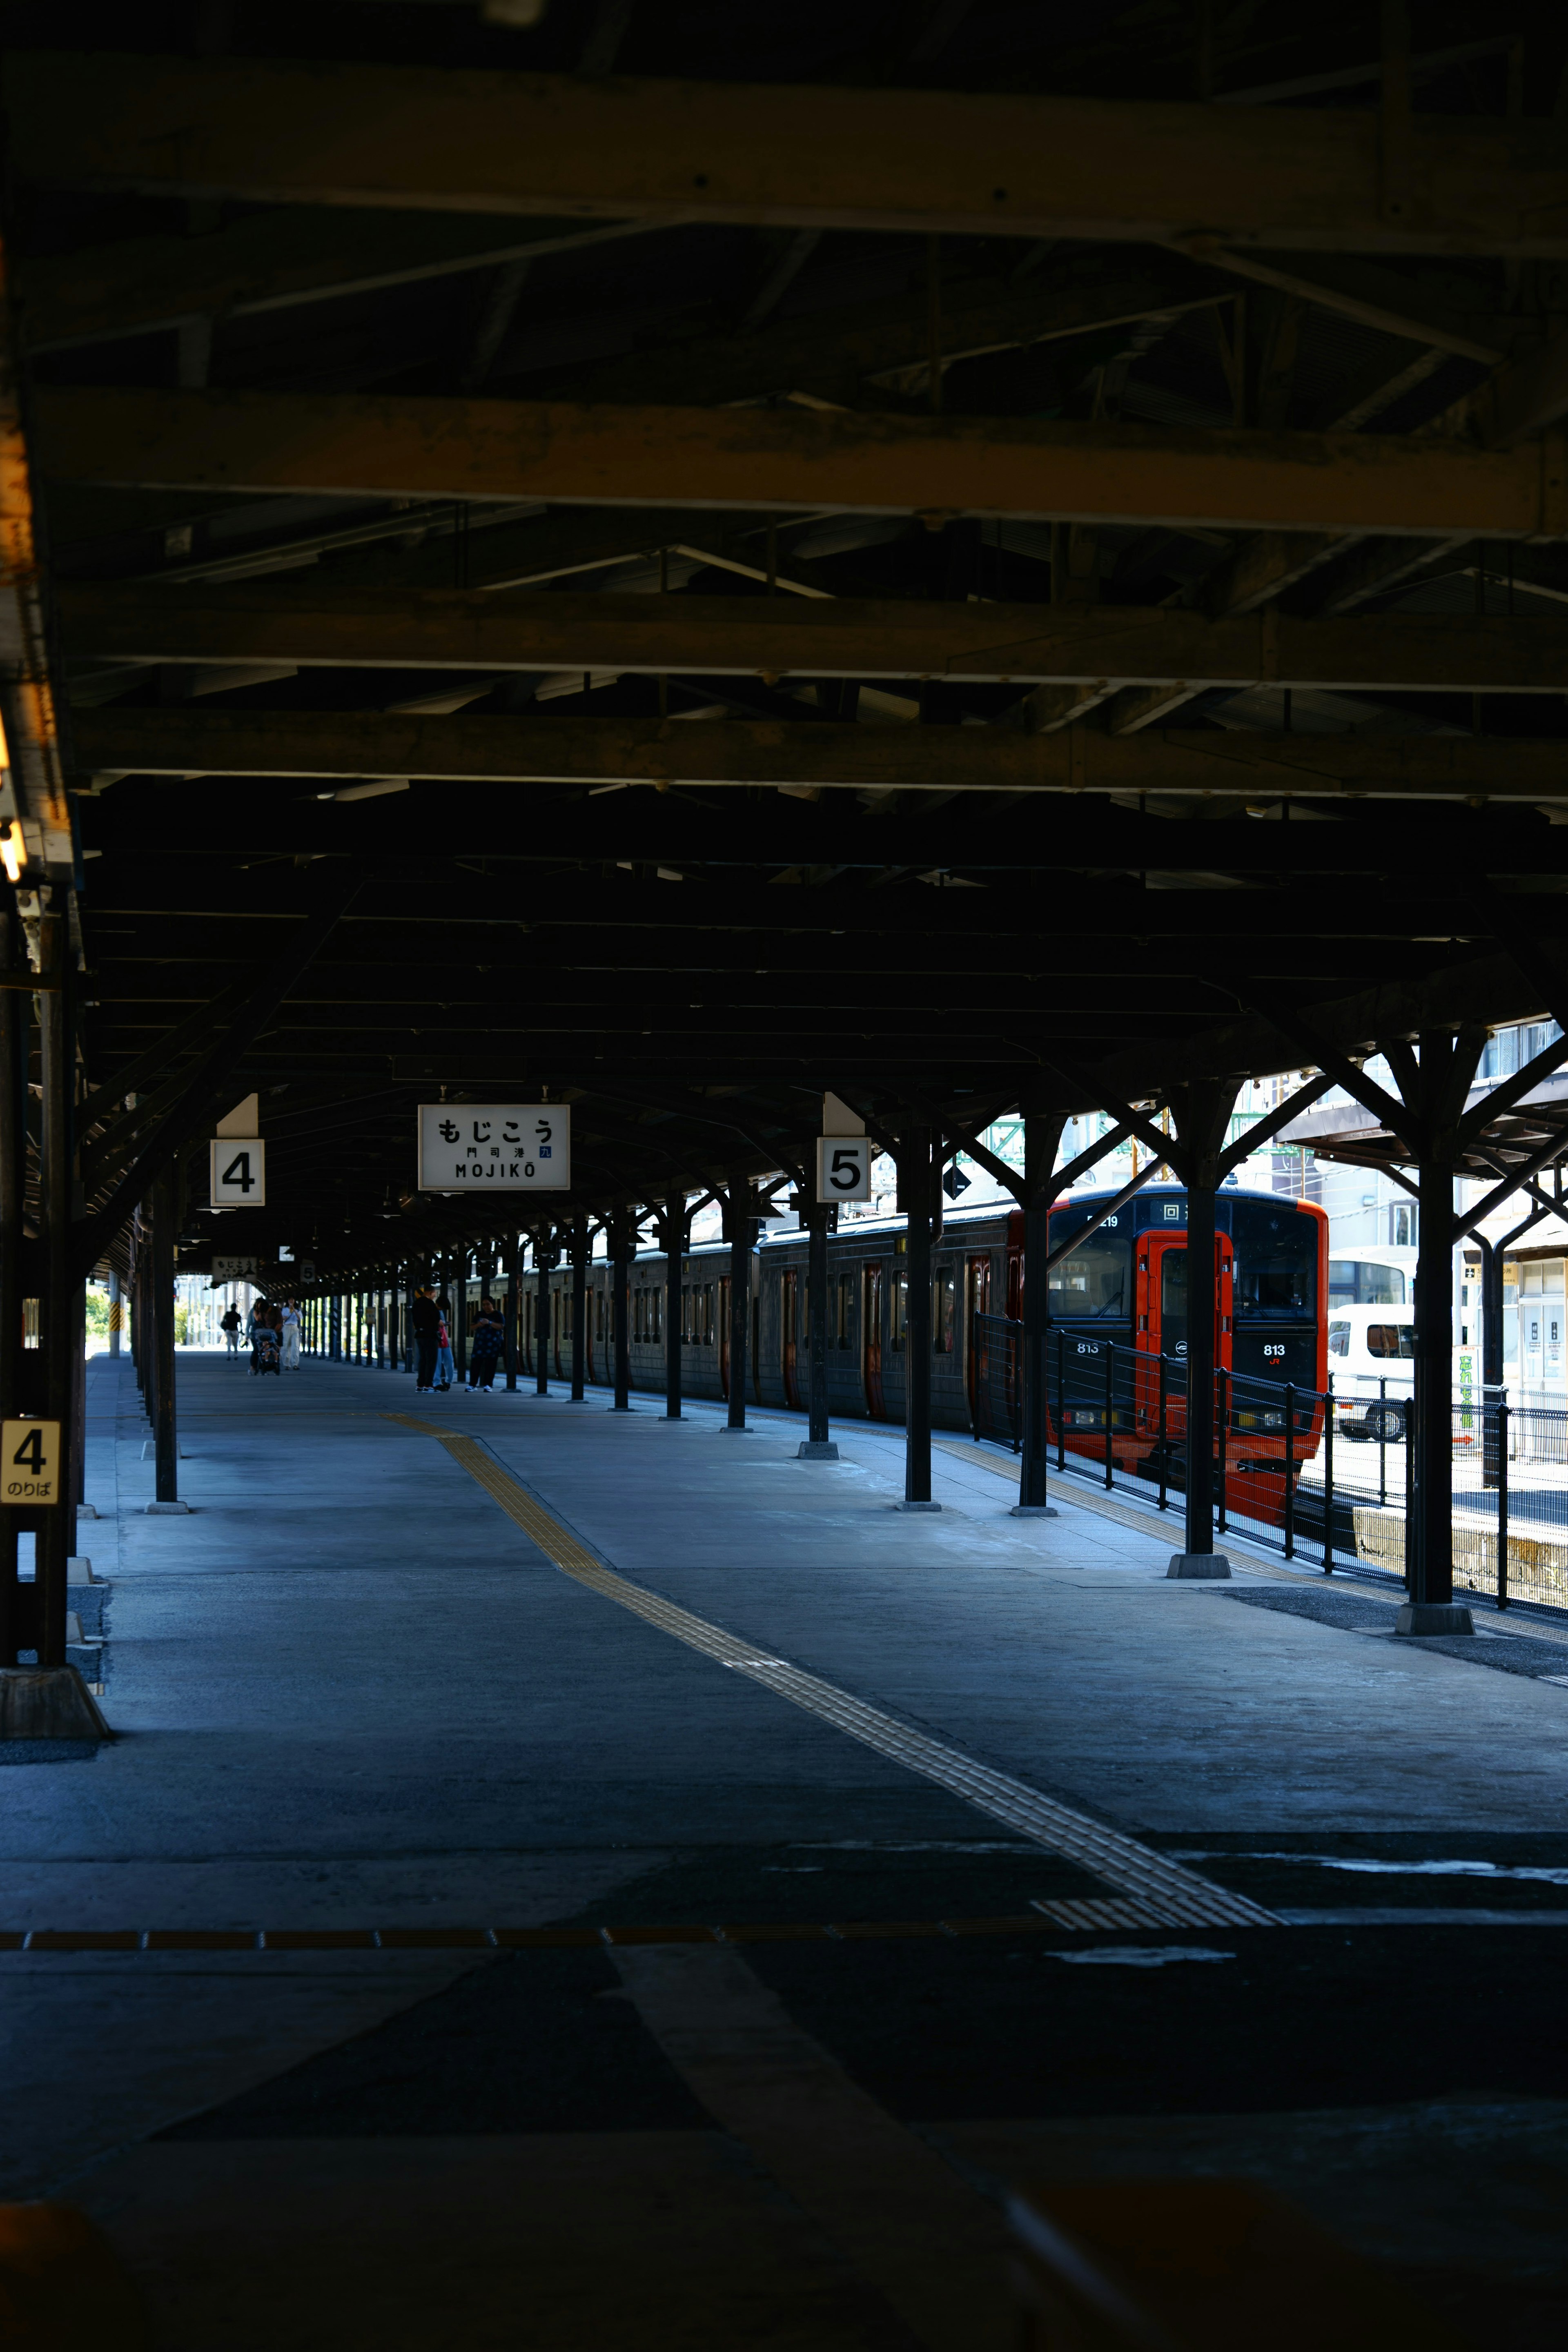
pixel 1163 1893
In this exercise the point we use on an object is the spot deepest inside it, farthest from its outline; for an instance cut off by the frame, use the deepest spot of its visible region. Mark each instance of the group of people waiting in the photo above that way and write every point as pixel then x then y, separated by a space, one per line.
pixel 435 1365
pixel 271 1334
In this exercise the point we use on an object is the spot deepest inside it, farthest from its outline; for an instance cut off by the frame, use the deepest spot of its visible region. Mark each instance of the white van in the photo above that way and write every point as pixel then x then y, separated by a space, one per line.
pixel 1372 1354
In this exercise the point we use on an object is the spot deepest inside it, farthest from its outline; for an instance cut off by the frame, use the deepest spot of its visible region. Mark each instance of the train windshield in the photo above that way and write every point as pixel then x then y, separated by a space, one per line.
pixel 1276 1262
pixel 1094 1280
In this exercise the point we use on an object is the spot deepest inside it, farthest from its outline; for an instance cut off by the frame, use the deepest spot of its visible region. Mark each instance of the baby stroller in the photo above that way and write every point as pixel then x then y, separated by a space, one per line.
pixel 266 1352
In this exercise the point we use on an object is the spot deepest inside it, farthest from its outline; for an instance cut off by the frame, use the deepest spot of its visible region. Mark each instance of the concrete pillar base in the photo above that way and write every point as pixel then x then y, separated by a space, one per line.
pixel 1198 1563
pixel 85 1511
pixel 735 1429
pixel 672 1416
pixel 1034 1511
pixel 823 1450
pixel 166 1507
pixel 917 1506
pixel 1429 1617
pixel 47 1702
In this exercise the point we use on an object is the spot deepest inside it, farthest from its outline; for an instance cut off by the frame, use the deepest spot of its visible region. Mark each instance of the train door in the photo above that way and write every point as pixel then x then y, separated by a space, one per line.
pixel 789 1308
pixel 1162 1310
pixel 871 1340
pixel 724 1337
pixel 977 1303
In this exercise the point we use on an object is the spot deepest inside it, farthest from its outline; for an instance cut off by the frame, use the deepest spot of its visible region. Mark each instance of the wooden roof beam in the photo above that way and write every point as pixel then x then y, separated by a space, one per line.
pixel 792 459
pixel 348 746
pixel 315 625
pixel 925 161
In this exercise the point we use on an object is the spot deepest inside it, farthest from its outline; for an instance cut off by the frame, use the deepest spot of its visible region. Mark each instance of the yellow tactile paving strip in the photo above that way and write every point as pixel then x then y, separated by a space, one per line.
pixel 1161 1892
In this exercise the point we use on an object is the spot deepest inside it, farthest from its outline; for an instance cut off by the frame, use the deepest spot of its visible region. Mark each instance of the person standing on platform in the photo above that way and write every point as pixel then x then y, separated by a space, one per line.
pixel 256 1325
pixel 484 1352
pixel 446 1363
pixel 427 1329
pixel 290 1335
pixel 229 1326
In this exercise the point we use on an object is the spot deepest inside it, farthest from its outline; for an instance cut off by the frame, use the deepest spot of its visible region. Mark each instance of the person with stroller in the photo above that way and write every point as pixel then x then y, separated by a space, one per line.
pixel 485 1346
pixel 267 1341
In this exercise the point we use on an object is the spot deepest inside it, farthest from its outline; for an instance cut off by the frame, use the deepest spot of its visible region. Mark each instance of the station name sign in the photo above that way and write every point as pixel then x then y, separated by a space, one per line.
pixel 494 1148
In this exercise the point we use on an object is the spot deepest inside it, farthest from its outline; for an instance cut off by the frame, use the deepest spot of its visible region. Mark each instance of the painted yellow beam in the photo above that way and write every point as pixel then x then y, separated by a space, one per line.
pixel 928 162
pixel 348 745
pixel 799 460
pixel 315 625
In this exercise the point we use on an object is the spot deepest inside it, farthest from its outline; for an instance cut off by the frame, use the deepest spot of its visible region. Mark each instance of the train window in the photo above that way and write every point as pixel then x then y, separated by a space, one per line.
pixel 1275 1262
pixel 1339 1338
pixel 841 1310
pixel 708 1314
pixel 1390 1339
pixel 1353 1282
pixel 941 1311
pixel 1095 1280
pixel 637 1298
pixel 898 1310
pixel 656 1314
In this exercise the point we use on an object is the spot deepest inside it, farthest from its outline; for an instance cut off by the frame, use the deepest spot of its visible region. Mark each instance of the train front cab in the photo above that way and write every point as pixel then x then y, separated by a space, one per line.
pixel 1119 1307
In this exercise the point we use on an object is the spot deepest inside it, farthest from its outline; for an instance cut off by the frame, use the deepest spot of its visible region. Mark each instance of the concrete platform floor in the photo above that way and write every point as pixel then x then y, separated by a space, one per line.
pixel 351 1693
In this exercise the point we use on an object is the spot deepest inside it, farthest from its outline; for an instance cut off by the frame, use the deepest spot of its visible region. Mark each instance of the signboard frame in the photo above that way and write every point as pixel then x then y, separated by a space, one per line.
pixel 494 1146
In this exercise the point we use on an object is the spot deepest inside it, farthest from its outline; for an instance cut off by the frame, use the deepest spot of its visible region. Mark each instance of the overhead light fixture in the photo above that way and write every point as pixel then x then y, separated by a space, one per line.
pixel 12 851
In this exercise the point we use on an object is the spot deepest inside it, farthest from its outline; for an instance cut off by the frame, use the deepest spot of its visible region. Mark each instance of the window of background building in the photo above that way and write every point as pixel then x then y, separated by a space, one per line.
pixel 1404 1224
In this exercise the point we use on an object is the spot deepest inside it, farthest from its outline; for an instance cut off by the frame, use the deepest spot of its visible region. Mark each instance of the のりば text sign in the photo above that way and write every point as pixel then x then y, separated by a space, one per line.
pixel 494 1146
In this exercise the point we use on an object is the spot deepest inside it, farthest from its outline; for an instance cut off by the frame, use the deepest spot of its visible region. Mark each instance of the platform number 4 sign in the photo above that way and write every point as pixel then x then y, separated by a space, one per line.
pixel 30 1452
pixel 844 1166
pixel 236 1175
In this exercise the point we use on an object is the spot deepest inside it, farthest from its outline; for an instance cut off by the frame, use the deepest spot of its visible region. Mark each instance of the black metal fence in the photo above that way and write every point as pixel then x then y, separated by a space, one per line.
pixel 1324 1477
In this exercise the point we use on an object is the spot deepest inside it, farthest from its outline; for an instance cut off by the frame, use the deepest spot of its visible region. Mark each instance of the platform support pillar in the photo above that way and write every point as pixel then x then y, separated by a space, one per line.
pixel 620 1307
pixel 165 1426
pixel 544 1259
pixel 15 1041
pixel 57 1312
pixel 1042 1139
pixel 818 1447
pixel 579 1304
pixel 672 1233
pixel 917 1177
pixel 738 1217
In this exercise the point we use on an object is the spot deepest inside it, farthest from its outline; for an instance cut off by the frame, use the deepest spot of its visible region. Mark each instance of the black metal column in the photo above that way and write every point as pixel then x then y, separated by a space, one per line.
pixel 1201 1316
pixel 165 1431
pixel 818 1447
pixel 13 1057
pixel 544 1259
pixel 672 1236
pixel 579 1304
pixel 738 1216
pixel 915 1179
pixel 1042 1137
pixel 513 1305
pixel 56 1526
pixel 1431 1538
pixel 620 1283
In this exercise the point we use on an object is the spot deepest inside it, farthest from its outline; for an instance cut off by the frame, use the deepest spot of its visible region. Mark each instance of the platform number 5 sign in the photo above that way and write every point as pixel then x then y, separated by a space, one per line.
pixel 236 1175
pixel 30 1454
pixel 844 1166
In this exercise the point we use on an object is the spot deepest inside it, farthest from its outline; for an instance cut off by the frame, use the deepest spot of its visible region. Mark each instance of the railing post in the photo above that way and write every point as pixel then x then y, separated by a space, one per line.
pixel 1289 1469
pixel 1220 1496
pixel 1502 1503
pixel 1328 1479
pixel 1109 1408
pixel 1383 1442
pixel 1161 1449
pixel 1061 1402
